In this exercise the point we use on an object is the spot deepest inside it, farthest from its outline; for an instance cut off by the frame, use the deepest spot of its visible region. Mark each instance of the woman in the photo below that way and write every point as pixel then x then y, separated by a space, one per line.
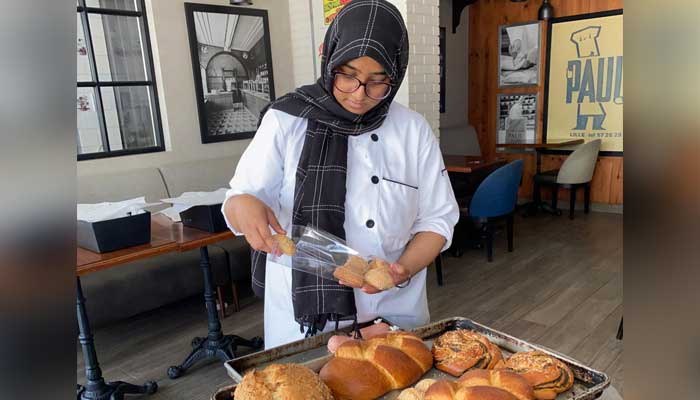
pixel 339 155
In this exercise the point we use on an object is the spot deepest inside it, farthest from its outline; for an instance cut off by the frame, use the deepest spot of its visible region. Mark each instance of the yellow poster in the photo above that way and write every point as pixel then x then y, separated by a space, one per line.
pixel 331 9
pixel 584 96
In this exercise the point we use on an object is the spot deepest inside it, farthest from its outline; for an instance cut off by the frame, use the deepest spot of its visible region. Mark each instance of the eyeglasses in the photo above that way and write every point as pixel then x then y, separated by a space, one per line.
pixel 376 90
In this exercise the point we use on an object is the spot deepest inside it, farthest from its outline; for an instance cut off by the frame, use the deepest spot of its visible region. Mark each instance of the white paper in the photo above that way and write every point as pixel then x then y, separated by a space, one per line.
pixel 174 212
pixel 188 200
pixel 191 199
pixel 112 210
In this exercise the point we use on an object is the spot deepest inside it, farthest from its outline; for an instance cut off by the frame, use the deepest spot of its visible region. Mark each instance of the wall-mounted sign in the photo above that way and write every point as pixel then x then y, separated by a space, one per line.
pixel 584 97
pixel 331 8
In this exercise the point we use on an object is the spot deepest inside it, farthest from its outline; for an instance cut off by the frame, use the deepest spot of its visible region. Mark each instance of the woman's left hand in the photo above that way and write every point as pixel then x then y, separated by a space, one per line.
pixel 399 274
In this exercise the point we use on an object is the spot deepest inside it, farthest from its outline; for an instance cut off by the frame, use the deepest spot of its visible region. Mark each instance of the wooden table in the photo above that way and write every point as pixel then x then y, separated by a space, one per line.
pixel 216 344
pixel 539 147
pixel 469 164
pixel 166 236
pixel 533 206
pixel 88 262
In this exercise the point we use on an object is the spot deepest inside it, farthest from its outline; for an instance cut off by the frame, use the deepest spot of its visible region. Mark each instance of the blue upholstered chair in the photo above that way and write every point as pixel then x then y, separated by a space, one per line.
pixel 495 198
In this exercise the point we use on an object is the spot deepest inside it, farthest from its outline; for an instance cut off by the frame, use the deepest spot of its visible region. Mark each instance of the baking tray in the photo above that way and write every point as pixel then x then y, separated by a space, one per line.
pixel 312 352
pixel 588 383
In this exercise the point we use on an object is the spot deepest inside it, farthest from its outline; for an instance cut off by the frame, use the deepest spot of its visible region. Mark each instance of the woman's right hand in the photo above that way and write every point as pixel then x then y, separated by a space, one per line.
pixel 253 218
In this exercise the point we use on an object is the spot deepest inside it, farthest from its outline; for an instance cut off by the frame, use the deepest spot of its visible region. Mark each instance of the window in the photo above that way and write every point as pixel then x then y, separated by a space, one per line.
pixel 117 103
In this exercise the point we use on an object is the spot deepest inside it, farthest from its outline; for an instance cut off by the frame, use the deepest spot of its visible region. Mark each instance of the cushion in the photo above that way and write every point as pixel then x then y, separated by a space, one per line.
pixel 199 175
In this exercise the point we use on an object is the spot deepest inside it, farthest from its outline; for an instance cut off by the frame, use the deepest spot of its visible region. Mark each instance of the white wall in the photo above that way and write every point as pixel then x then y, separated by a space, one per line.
pixel 294 41
pixel 174 78
pixel 456 136
pixel 423 23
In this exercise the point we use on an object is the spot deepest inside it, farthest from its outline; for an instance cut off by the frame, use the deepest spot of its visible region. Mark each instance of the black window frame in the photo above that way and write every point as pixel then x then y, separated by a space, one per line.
pixel 96 84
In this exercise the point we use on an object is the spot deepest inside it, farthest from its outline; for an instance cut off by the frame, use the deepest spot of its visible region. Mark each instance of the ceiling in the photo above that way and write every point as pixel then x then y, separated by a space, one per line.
pixel 229 31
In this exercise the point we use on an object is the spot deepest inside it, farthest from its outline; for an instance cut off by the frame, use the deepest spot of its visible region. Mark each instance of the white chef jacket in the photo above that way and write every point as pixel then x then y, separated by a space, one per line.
pixel 412 194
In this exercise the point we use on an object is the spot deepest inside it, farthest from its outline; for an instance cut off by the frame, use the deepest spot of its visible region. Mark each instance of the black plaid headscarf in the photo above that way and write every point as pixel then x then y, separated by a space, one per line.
pixel 371 28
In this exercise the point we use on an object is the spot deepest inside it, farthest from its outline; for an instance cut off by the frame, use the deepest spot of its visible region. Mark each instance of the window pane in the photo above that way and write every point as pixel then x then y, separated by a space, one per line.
pixel 89 131
pixel 84 70
pixel 131 5
pixel 129 117
pixel 118 47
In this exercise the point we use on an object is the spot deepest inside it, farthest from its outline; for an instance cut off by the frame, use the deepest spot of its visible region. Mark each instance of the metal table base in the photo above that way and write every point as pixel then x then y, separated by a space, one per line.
pixel 216 344
pixel 96 388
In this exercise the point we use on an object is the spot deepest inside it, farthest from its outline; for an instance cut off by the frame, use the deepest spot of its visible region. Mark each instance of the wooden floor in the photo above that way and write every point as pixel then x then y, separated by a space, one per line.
pixel 561 287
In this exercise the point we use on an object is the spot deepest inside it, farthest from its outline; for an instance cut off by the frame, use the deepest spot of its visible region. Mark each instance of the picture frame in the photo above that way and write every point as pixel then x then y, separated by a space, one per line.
pixel 516 115
pixel 443 68
pixel 232 69
pixel 583 96
pixel 519 54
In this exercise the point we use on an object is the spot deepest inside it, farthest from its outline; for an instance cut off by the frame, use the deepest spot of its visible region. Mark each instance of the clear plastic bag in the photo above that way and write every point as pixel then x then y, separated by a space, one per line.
pixel 323 254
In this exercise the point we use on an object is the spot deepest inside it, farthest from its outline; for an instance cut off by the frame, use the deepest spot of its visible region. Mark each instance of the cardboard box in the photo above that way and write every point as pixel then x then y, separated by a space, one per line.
pixel 115 234
pixel 207 218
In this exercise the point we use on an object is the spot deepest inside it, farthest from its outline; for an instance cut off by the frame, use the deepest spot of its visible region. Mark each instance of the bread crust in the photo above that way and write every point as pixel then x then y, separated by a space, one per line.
pixel 478 384
pixel 367 369
pixel 282 381
pixel 547 375
pixel 285 244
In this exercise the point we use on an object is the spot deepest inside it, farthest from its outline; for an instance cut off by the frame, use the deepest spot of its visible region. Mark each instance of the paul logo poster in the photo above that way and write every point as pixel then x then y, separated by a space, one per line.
pixel 584 79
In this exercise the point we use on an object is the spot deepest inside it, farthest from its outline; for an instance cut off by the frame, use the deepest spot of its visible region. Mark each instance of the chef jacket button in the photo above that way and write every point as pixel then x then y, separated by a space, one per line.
pixel 370 223
pixel 375 180
pixel 375 138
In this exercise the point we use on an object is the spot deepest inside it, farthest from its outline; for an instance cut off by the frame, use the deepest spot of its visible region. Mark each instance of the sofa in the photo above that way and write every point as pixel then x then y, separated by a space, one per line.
pixel 144 285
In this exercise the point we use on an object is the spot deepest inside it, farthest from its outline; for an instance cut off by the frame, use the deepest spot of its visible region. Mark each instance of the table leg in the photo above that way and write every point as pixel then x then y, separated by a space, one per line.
pixel 216 344
pixel 96 388
pixel 537 204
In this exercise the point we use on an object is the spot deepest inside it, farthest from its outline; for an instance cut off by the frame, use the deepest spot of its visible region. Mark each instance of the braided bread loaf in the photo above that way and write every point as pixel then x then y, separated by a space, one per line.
pixel 547 375
pixel 367 369
pixel 460 350
pixel 478 384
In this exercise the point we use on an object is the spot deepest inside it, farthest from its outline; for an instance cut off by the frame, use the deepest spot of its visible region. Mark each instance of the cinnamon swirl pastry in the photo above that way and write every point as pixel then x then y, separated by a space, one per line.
pixel 461 350
pixel 547 375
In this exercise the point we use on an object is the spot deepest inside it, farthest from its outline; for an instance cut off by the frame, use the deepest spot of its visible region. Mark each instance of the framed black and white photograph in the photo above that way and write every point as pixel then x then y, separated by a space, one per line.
pixel 517 118
pixel 232 65
pixel 519 55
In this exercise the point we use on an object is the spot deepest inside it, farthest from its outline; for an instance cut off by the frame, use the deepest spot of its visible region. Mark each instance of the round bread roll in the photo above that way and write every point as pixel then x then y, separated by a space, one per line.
pixel 282 381
pixel 547 375
pixel 353 271
pixel 378 275
pixel 285 244
pixel 460 350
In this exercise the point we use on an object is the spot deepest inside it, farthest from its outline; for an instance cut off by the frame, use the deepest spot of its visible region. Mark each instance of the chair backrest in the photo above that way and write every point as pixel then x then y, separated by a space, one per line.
pixel 121 186
pixel 579 166
pixel 498 193
pixel 199 176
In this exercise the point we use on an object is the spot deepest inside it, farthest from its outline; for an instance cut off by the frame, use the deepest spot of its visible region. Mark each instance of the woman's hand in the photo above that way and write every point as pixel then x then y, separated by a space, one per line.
pixel 399 274
pixel 253 218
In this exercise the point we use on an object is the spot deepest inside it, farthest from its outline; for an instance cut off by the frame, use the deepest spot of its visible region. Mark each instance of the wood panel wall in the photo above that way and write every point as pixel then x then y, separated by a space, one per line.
pixel 485 17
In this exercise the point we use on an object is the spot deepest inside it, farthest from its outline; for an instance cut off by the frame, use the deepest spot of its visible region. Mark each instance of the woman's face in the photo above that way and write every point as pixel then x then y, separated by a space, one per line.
pixel 366 70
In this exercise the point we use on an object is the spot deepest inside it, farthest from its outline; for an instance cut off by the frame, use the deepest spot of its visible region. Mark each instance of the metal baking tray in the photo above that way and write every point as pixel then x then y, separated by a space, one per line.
pixel 312 352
